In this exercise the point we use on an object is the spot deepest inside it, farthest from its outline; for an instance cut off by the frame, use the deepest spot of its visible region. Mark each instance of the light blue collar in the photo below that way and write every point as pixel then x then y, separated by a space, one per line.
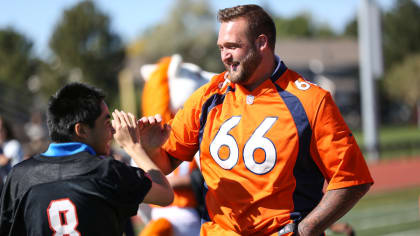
pixel 67 149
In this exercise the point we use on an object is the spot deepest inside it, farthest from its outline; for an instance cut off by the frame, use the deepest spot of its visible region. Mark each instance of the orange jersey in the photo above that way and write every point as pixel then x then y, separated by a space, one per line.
pixel 265 154
pixel 184 197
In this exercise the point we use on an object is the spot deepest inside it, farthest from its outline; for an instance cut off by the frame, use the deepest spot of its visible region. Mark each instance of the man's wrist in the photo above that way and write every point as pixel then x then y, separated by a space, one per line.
pixel 303 229
pixel 297 231
pixel 153 152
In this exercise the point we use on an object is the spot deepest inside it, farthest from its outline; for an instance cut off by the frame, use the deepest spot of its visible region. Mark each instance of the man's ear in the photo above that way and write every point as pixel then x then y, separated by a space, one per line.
pixel 81 130
pixel 261 42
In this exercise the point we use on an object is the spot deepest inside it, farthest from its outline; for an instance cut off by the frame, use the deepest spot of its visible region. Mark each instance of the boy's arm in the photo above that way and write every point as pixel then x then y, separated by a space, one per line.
pixel 127 136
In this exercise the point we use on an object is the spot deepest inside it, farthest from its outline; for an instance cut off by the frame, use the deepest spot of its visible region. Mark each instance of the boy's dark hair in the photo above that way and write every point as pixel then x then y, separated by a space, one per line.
pixel 259 21
pixel 74 103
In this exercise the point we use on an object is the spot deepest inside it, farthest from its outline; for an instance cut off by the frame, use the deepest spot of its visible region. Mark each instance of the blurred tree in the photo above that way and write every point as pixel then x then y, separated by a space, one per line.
pixel 400 30
pixel 16 59
pixel 52 76
pixel 301 26
pixel 17 65
pixel 403 83
pixel 400 38
pixel 401 27
pixel 189 30
pixel 351 28
pixel 324 31
pixel 84 49
pixel 298 26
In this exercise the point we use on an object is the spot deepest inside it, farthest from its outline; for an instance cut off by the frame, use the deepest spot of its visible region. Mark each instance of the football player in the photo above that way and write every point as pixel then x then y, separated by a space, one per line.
pixel 268 139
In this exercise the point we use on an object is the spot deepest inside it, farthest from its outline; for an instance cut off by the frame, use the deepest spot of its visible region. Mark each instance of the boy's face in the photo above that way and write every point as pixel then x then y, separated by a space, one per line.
pixel 100 136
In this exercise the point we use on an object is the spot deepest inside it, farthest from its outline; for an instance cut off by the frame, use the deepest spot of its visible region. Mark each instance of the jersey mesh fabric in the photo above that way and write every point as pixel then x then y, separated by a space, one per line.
pixel 265 154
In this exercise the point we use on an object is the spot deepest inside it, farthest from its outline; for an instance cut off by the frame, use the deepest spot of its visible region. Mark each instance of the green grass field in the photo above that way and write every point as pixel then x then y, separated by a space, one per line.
pixel 391 214
pixel 396 141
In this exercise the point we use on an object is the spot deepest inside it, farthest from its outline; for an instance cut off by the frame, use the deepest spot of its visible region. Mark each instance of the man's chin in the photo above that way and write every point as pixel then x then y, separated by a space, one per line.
pixel 234 78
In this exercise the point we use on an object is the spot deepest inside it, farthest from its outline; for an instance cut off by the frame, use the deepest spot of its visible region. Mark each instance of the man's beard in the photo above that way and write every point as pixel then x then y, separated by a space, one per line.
pixel 246 68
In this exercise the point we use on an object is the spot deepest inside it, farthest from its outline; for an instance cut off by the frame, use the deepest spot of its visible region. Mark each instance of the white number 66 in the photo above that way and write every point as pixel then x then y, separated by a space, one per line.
pixel 256 141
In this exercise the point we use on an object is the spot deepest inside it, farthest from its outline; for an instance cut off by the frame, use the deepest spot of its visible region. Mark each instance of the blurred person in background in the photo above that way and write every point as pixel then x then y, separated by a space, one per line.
pixel 168 85
pixel 37 132
pixel 342 228
pixel 11 151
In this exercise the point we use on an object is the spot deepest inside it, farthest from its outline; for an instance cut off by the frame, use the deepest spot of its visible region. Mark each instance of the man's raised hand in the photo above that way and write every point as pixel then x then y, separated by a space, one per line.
pixel 153 134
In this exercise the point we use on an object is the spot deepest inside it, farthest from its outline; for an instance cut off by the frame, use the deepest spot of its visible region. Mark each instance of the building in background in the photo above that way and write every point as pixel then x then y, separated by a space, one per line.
pixel 331 63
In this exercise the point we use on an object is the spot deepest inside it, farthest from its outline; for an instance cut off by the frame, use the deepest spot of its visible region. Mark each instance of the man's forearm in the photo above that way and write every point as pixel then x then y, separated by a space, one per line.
pixel 164 161
pixel 332 207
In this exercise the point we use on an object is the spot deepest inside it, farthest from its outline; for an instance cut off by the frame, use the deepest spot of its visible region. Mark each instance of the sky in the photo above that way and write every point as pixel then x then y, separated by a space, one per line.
pixel 37 19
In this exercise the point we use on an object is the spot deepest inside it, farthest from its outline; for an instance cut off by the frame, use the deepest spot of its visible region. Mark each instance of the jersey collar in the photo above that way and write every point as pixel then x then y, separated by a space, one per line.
pixel 67 149
pixel 280 69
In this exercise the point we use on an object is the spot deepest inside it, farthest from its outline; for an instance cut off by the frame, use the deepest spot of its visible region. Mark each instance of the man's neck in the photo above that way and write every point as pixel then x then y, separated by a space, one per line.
pixel 262 74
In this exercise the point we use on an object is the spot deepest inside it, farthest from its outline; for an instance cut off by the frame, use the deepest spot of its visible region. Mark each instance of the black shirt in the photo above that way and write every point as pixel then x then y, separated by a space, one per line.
pixel 80 194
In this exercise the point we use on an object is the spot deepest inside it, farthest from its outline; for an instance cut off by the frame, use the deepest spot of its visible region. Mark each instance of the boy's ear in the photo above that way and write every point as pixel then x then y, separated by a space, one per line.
pixel 81 130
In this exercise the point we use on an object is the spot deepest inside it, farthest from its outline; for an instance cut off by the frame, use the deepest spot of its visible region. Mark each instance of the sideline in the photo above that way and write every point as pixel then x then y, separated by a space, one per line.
pixel 390 175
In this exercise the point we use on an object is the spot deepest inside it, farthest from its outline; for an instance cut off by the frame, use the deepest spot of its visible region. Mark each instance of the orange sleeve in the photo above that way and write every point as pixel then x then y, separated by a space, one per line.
pixel 335 150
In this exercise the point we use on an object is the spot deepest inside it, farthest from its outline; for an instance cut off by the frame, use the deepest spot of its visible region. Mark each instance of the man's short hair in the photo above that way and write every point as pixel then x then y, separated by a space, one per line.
pixel 259 21
pixel 74 103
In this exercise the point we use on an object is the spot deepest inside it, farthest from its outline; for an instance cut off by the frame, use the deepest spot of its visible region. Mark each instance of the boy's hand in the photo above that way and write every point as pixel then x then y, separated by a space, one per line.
pixel 126 129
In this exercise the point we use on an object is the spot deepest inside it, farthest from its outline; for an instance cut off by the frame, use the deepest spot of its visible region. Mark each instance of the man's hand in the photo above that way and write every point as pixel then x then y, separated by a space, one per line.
pixel 127 134
pixel 153 134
